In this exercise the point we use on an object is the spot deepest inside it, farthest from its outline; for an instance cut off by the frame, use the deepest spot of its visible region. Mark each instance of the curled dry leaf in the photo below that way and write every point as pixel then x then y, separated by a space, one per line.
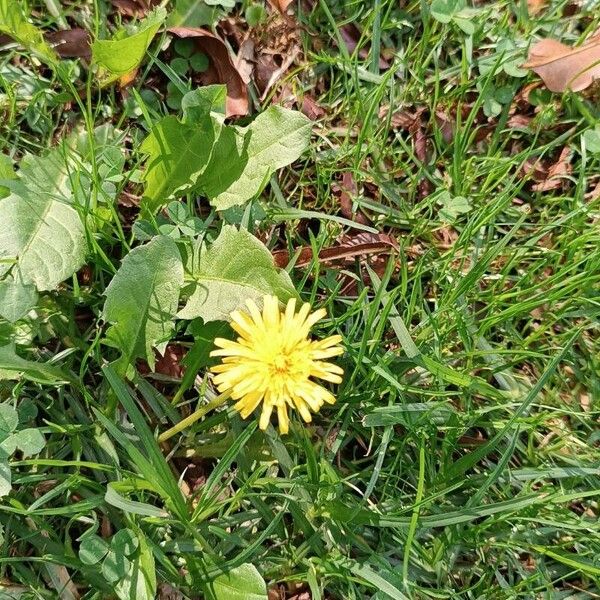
pixel 556 172
pixel 70 43
pixel 349 248
pixel 562 67
pixel 221 68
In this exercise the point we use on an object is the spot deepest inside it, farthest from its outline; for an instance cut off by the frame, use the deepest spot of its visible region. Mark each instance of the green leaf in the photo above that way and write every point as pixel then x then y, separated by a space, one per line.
pixel 592 140
pixel 242 583
pixel 124 542
pixel 115 566
pixel 124 53
pixel 92 550
pixel 139 582
pixel 14 23
pixel 142 298
pixel 453 206
pixel 12 366
pixel 178 154
pixel 113 498
pixel 276 138
pixel 45 238
pixel 6 172
pixel 30 441
pixel 16 299
pixel 193 13
pixel 236 267
pixel 202 101
pixel 5 476
pixel 9 419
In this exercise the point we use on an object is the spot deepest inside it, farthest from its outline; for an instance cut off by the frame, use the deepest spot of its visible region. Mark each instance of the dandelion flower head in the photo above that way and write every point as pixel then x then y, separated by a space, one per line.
pixel 273 362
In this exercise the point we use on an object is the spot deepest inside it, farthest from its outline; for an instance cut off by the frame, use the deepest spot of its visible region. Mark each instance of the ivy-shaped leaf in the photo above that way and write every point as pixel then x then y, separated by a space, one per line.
pixel 141 300
pixel 236 267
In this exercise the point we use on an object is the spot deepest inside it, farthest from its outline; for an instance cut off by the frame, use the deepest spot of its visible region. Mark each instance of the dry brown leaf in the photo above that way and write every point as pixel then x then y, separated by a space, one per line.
pixel 562 67
pixel 535 6
pixel 594 193
pixel 311 109
pixel 221 69
pixel 244 61
pixel 556 173
pixel 135 8
pixel 280 5
pixel 351 36
pixel 350 247
pixel 519 122
pixel 70 43
pixel 346 191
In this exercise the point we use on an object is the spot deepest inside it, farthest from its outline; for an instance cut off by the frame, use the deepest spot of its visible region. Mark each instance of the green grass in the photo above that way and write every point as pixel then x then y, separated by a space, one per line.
pixel 462 457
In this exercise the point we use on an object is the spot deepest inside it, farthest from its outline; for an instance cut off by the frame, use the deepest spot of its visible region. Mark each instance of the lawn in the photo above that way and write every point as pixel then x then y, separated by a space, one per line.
pixel 425 177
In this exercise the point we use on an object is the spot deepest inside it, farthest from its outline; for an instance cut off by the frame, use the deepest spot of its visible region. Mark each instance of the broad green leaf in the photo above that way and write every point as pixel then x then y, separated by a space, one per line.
pixel 16 299
pixel 124 542
pixel 242 583
pixel 193 13
pixel 44 238
pixel 124 53
pixel 141 300
pixel 203 101
pixel 30 441
pixel 591 137
pixel 276 138
pixel 92 550
pixel 139 582
pixel 12 366
pixel 115 566
pixel 9 419
pixel 14 23
pixel 5 476
pixel 6 172
pixel 178 154
pixel 236 267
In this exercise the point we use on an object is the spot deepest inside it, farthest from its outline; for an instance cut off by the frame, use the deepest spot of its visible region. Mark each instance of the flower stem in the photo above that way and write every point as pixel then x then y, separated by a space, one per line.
pixel 203 410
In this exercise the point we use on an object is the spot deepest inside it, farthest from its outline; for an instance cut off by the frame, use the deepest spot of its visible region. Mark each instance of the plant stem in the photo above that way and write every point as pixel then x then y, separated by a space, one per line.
pixel 203 410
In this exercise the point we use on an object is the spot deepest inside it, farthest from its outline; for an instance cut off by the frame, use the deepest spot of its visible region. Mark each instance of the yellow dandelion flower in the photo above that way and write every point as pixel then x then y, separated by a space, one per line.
pixel 273 361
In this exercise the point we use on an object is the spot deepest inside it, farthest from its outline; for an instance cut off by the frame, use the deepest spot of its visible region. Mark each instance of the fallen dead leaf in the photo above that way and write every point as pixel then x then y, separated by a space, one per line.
pixel 70 43
pixel 556 172
pixel 349 248
pixel 311 109
pixel 245 60
pixel 519 121
pixel 563 67
pixel 222 68
pixel 351 36
pixel 277 47
pixel 594 193
pixel 280 5
pixel 135 8
pixel 346 192
pixel 535 6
